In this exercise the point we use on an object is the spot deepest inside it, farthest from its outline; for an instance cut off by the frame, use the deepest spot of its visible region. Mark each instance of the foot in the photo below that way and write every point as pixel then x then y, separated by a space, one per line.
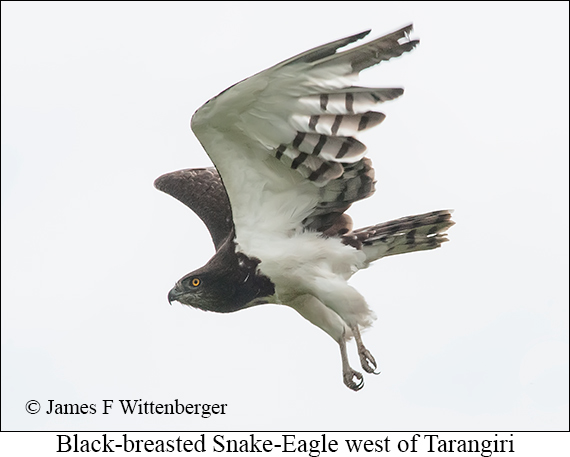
pixel 367 361
pixel 353 379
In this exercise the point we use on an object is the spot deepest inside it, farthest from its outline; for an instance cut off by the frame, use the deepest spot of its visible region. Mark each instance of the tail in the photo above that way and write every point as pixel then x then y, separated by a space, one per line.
pixel 408 234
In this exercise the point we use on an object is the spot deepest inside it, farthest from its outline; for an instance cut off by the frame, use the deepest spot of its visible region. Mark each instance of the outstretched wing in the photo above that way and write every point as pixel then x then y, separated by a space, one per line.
pixel 201 189
pixel 283 139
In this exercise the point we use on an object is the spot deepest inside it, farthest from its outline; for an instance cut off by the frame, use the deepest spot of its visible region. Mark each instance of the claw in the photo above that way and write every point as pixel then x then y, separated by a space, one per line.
pixel 348 378
pixel 367 361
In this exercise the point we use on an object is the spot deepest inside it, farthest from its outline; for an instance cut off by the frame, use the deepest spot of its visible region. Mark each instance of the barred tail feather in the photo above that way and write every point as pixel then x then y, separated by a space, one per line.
pixel 407 234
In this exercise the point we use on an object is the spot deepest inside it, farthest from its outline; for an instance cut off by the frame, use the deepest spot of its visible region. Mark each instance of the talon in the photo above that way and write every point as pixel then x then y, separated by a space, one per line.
pixel 348 378
pixel 368 362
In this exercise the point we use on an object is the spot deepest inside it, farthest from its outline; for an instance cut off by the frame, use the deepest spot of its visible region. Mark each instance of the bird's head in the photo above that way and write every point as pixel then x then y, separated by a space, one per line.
pixel 228 282
pixel 205 290
pixel 187 290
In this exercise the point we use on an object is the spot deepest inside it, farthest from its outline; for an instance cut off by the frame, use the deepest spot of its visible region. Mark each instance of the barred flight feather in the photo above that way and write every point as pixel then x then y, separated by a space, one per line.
pixel 356 183
pixel 330 148
pixel 407 234
pixel 350 100
pixel 337 125
pixel 311 167
pixel 424 224
pixel 374 52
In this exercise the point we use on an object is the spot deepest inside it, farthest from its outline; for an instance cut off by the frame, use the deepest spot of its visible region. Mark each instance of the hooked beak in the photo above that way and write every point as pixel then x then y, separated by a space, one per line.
pixel 173 295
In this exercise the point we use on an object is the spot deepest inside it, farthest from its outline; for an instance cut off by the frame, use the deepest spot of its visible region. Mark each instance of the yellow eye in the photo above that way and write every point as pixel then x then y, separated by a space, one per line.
pixel 195 282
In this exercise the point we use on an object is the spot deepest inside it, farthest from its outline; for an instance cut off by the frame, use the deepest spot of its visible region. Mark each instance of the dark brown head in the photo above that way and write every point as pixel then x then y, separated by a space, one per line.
pixel 229 282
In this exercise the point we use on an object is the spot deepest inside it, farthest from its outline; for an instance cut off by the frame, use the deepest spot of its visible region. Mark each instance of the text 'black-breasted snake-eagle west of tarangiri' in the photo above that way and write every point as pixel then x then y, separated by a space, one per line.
pixel 287 167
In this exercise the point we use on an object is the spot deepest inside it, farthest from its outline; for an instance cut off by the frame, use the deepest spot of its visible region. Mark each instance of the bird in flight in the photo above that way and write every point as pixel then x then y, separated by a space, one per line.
pixel 287 167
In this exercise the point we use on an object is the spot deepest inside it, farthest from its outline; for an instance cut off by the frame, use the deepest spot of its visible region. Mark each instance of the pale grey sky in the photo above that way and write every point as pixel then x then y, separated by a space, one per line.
pixel 96 102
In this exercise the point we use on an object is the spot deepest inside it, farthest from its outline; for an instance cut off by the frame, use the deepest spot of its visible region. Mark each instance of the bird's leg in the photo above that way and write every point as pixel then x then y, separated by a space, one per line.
pixel 315 311
pixel 366 359
pixel 352 378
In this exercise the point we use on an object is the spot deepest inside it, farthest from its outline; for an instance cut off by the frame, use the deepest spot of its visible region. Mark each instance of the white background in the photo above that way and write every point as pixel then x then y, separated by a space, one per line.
pixel 96 101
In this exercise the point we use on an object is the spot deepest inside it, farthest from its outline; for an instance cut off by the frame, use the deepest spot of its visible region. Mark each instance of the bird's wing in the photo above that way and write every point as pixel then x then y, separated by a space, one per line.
pixel 283 139
pixel 201 189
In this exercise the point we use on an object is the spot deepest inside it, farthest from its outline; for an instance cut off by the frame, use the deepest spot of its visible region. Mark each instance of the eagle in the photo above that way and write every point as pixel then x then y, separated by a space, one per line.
pixel 287 168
